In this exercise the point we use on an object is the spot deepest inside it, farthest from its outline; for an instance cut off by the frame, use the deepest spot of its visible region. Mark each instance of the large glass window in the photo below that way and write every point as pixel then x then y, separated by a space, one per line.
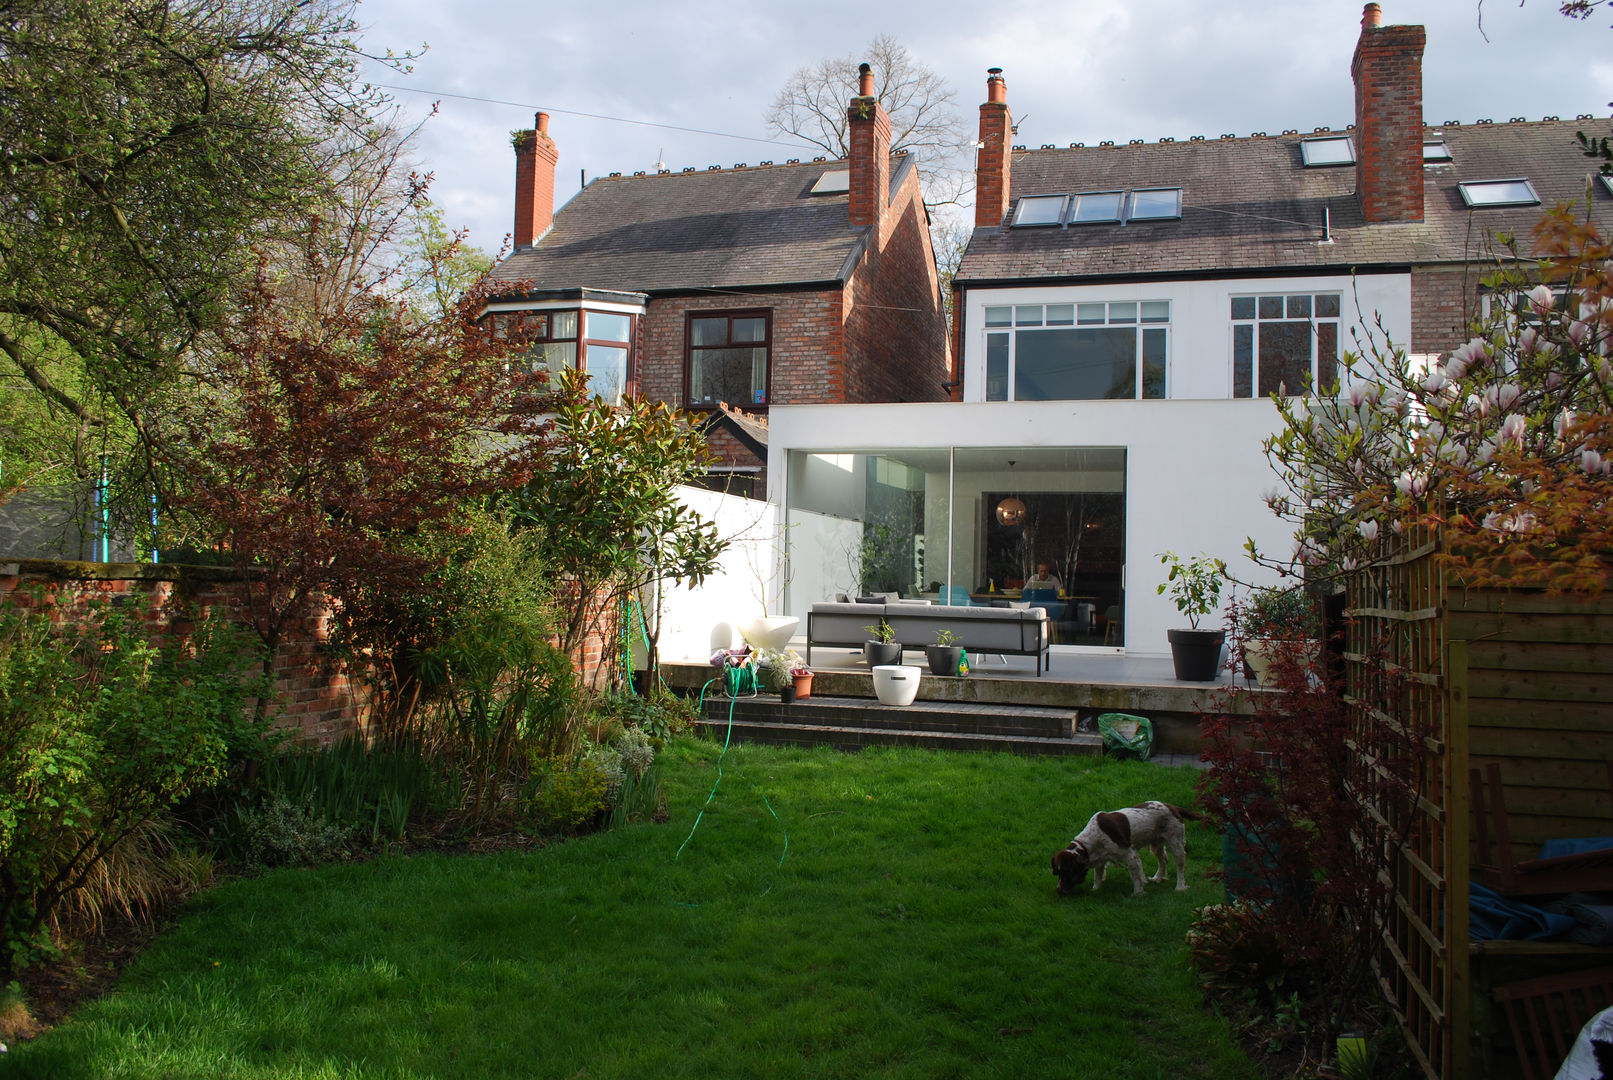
pixel 1087 351
pixel 1284 344
pixel 728 354
pixel 554 341
pixel 1002 526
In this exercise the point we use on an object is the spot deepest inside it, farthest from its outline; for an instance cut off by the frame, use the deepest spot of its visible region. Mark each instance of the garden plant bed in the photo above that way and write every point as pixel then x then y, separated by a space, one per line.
pixel 896 917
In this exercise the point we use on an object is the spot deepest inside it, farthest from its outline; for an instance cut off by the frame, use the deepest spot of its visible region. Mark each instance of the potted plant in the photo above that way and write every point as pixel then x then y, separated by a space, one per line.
pixel 777 671
pixel 1194 586
pixel 802 677
pixel 945 656
pixel 1278 622
pixel 881 647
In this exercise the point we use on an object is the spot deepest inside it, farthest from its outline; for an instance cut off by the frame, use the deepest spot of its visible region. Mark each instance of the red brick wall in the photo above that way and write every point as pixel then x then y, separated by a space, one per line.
pixel 1388 73
pixel 1444 300
pixel 896 328
pixel 316 697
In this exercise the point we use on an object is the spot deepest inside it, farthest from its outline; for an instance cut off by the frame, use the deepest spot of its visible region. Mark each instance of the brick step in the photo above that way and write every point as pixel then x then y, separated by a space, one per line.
pixel 970 718
pixel 857 737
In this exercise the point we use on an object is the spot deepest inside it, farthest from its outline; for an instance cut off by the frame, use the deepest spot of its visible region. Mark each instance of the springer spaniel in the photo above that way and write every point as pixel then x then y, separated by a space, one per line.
pixel 1115 836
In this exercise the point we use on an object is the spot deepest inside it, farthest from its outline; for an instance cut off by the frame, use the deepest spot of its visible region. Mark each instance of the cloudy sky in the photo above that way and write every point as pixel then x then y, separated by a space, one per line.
pixel 630 83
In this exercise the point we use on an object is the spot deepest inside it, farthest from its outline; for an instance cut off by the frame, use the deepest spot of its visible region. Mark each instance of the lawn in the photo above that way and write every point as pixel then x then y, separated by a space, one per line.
pixel 889 913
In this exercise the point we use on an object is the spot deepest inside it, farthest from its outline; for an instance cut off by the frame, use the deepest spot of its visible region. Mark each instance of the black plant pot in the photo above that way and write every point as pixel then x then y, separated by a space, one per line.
pixel 786 694
pixel 878 652
pixel 943 658
pixel 1197 653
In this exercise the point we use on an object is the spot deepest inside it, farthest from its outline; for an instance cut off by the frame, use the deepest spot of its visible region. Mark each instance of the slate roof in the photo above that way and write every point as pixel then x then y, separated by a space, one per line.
pixel 1249 204
pixel 730 228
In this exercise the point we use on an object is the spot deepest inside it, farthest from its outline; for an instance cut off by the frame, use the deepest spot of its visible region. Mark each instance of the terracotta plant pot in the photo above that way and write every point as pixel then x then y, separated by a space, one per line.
pixel 803 686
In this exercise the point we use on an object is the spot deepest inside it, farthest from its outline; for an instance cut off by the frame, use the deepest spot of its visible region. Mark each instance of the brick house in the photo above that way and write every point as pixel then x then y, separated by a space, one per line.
pixel 1122 313
pixel 753 286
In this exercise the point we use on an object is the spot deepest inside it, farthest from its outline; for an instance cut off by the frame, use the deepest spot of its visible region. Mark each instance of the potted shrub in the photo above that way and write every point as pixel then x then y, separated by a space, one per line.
pixel 777 671
pixel 881 647
pixel 1276 622
pixel 1194 586
pixel 945 656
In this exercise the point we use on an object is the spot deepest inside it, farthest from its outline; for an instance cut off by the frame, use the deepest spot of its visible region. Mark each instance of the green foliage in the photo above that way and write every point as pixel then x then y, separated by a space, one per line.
pixel 604 501
pixel 1285 614
pixel 101 729
pixel 368 791
pixel 148 151
pixel 1194 584
pixel 660 715
pixel 570 796
pixel 289 830
pixel 881 631
pixel 945 638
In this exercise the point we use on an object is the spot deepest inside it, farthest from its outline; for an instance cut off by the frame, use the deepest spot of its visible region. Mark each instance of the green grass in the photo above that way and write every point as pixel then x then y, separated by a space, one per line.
pixel 911 930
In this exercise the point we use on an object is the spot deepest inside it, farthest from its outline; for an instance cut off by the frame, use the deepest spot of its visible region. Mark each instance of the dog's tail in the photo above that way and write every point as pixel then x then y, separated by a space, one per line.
pixel 1183 813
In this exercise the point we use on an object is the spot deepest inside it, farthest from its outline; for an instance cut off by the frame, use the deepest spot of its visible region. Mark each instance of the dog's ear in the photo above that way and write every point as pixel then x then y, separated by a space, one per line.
pixel 1116 826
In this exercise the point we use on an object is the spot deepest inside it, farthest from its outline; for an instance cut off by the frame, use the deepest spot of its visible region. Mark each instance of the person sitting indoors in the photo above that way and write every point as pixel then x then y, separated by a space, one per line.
pixel 1044 578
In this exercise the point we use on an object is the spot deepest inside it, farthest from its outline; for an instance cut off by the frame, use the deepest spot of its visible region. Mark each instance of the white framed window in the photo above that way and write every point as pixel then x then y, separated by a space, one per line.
pixel 1284 343
pixel 1482 194
pixel 1084 351
pixel 1335 150
pixel 1040 210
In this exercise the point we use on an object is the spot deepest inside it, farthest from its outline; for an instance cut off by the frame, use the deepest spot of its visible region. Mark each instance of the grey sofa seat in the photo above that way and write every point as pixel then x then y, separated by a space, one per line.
pixel 1017 631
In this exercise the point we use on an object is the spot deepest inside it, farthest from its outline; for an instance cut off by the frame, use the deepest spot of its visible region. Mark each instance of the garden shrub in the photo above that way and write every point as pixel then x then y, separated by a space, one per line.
pixel 569 797
pixel 101 729
pixel 289 831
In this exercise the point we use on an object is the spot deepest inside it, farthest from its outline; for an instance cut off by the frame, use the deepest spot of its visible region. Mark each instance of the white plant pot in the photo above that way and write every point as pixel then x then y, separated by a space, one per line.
pixel 896 684
pixel 768 631
pixel 1258 652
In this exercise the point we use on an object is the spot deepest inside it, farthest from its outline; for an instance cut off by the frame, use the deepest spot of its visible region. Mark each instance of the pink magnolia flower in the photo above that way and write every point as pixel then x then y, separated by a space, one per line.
pixel 1507 394
pixel 1541 299
pixel 1592 462
pixel 1578 332
pixel 1528 339
pixel 1564 423
pixel 1513 429
pixel 1368 530
pixel 1433 382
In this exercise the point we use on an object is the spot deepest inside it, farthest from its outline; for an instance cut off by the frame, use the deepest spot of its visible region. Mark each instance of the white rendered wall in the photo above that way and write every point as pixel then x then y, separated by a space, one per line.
pixel 747 573
pixel 1200 350
pixel 1195 472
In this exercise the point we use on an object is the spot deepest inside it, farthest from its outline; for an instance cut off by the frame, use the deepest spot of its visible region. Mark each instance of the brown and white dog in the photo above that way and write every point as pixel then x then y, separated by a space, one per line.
pixel 1115 836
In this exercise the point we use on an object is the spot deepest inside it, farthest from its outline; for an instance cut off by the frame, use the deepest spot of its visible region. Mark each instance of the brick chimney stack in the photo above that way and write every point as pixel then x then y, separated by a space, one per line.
pixel 869 129
pixel 535 159
pixel 994 156
pixel 1388 74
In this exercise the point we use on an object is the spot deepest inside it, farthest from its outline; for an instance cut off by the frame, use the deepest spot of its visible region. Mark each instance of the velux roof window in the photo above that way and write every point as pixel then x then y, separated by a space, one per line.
pixel 1093 206
pixel 833 182
pixel 1040 210
pixel 1155 204
pixel 1435 152
pixel 1481 194
pixel 1334 151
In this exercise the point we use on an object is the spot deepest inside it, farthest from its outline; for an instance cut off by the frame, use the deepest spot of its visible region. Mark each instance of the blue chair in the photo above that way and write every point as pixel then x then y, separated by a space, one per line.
pixel 955 596
pixel 1046 599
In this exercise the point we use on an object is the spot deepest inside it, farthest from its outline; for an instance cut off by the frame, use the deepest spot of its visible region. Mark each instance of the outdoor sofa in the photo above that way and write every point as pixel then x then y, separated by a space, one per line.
pixel 1000 630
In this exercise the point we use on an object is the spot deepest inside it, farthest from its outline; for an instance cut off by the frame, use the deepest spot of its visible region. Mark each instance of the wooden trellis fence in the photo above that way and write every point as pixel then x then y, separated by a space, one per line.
pixel 1473 677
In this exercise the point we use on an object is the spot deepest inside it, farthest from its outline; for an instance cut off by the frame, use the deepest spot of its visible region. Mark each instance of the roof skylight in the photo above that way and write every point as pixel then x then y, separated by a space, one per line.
pixel 1482 194
pixel 1155 204
pixel 833 182
pixel 1040 210
pixel 1093 206
pixel 1607 182
pixel 1337 150
pixel 1436 151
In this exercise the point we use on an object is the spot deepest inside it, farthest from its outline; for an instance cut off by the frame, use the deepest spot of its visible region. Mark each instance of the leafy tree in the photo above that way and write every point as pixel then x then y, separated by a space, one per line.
pixel 150 152
pixel 336 423
pixel 812 107
pixel 612 524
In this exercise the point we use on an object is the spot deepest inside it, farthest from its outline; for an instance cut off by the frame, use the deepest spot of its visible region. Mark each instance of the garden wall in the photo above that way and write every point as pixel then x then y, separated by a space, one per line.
pixel 314 695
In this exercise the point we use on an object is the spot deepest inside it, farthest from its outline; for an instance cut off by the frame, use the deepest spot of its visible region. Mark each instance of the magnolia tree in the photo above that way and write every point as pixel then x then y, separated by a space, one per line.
pixel 1505 441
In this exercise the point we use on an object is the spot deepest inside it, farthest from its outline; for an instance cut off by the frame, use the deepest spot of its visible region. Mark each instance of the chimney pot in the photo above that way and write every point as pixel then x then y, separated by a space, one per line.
pixel 865 80
pixel 541 122
pixel 1371 17
pixel 996 88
